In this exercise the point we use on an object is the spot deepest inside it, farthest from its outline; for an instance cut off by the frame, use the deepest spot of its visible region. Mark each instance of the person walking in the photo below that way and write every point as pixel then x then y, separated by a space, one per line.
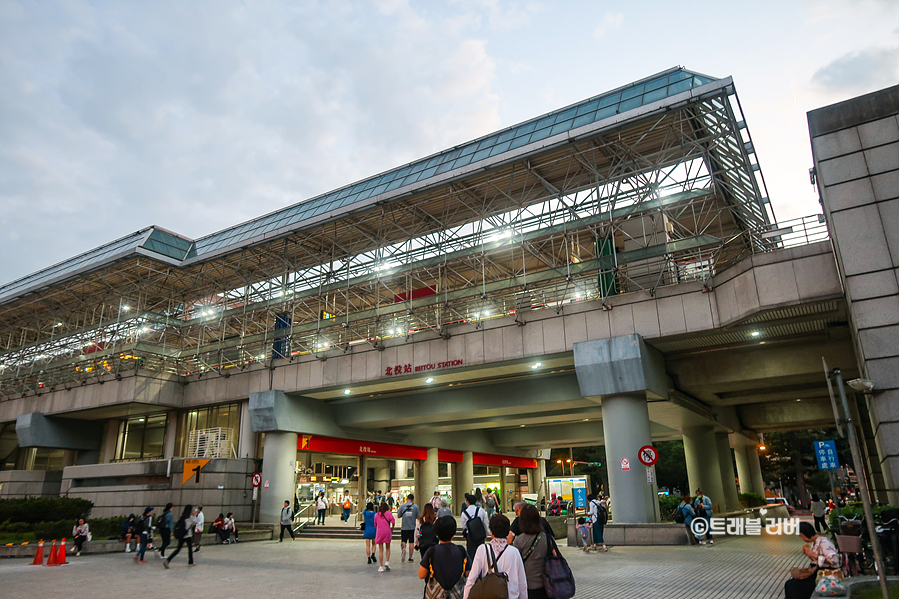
pixel 819 508
pixel 445 563
pixel 436 501
pixel 347 506
pixel 702 505
pixel 490 503
pixel 198 528
pixel 287 522
pixel 384 525
pixel 474 525
pixel 534 547
pixel 144 529
pixel 424 536
pixel 321 506
pixel 516 526
pixel 80 534
pixel 506 558
pixel 408 514
pixel 368 531
pixel 444 510
pixel 165 522
pixel 183 533
pixel 599 513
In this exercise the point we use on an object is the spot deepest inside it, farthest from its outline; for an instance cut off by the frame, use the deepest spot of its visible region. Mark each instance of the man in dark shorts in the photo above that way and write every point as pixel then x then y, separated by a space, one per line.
pixel 409 513
pixel 444 562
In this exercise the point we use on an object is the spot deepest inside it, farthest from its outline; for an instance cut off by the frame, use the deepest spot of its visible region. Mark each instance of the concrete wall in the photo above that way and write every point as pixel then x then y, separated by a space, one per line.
pixel 856 149
pixel 129 487
pixel 29 483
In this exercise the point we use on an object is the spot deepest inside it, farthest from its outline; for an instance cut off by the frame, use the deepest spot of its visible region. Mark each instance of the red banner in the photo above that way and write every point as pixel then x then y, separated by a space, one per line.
pixel 486 459
pixel 349 447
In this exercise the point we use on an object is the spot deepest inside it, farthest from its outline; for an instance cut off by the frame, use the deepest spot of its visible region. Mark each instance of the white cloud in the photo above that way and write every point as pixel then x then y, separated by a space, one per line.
pixel 859 72
pixel 609 22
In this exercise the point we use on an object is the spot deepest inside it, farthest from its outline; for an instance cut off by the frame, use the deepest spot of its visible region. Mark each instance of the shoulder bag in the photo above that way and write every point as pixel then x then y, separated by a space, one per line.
pixel 557 577
pixel 494 584
pixel 527 554
pixel 803 573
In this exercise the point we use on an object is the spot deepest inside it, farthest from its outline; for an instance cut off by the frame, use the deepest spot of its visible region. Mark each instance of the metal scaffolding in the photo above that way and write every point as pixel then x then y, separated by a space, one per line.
pixel 666 191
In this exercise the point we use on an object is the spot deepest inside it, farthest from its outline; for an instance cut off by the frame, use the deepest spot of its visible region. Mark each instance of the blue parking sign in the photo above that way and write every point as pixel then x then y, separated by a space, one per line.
pixel 826 454
pixel 580 497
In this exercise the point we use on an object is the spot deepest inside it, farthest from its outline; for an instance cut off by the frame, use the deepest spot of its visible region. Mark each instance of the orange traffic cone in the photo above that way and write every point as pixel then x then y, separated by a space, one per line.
pixel 51 560
pixel 39 556
pixel 61 556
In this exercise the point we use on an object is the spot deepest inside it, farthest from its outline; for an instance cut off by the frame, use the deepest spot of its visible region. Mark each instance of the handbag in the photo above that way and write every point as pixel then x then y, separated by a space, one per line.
pixel 557 577
pixel 803 573
pixel 494 584
pixel 829 583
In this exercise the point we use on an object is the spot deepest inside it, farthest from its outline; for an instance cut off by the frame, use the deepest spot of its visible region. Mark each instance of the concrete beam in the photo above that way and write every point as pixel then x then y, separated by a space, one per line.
pixel 276 411
pixel 788 415
pixel 37 430
pixel 624 364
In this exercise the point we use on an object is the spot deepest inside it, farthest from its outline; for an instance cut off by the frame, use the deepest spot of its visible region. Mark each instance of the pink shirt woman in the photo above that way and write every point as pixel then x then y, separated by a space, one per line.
pixel 384 523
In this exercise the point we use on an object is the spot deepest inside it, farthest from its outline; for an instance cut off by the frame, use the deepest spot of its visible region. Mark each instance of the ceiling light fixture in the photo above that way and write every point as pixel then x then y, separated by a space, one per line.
pixel 537 365
pixel 755 333
pixel 429 380
pixel 346 391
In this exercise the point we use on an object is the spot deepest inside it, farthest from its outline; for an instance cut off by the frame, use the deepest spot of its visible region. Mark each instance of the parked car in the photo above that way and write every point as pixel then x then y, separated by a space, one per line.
pixel 780 501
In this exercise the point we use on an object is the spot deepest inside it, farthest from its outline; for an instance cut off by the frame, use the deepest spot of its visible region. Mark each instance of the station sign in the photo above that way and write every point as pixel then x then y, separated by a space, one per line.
pixel 409 368
pixel 192 468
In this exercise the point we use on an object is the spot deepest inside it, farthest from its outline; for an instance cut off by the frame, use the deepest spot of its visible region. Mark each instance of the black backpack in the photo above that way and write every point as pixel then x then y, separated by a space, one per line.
pixel 679 516
pixel 475 526
pixel 426 536
pixel 602 515
pixel 180 529
pixel 141 525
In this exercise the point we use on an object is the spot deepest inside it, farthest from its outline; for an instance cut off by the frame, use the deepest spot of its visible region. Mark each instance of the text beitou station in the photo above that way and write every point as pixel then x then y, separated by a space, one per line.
pixel 610 273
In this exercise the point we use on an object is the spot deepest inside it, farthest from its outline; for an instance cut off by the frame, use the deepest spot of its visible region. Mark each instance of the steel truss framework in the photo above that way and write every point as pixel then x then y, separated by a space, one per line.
pixel 671 195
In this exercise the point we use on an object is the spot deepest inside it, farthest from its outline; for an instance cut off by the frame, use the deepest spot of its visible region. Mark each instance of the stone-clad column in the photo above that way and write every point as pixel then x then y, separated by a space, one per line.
pixel 731 500
pixel 703 469
pixel 279 462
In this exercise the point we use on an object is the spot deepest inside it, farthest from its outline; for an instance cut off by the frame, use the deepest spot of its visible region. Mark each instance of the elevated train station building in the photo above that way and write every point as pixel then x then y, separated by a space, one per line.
pixel 610 273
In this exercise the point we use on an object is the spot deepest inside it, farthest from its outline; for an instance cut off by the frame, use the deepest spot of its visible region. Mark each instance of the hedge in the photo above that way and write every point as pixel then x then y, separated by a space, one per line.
pixel 667 505
pixel 752 499
pixel 43 509
pixel 101 528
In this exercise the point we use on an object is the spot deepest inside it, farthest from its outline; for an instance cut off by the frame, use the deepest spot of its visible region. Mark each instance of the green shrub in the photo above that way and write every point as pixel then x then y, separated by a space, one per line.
pixel 44 509
pixel 856 511
pixel 101 528
pixel 667 505
pixel 752 499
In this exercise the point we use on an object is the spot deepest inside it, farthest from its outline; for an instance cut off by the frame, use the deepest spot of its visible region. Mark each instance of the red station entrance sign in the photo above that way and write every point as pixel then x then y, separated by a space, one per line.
pixel 321 444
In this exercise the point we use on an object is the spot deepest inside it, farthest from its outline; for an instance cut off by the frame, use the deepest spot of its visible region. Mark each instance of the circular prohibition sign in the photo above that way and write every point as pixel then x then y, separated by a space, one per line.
pixel 648 455
pixel 257 479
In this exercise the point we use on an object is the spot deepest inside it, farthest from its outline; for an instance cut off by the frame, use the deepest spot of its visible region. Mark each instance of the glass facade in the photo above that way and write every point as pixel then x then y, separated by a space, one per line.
pixel 223 416
pixel 141 438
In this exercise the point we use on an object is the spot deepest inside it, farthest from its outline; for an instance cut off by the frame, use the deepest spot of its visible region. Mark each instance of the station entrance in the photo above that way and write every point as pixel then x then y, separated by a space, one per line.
pixel 363 470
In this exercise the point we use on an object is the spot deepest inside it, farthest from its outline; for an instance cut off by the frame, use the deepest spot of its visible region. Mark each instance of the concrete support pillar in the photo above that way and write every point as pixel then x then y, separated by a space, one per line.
pixel 402 469
pixel 416 480
pixel 464 480
pixel 68 457
pixel 703 470
pixel 363 481
pixel 171 434
pixel 532 480
pixel 541 482
pixel 430 475
pixel 246 440
pixel 110 438
pixel 743 468
pixel 279 469
pixel 726 464
pixel 382 479
pixel 625 421
pixel 755 470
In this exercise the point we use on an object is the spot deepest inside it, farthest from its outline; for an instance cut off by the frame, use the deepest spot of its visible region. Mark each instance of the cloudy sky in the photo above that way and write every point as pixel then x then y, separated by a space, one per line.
pixel 196 115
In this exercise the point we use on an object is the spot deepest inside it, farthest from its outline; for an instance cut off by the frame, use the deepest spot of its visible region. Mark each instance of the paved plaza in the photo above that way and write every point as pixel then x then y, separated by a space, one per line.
pixel 733 568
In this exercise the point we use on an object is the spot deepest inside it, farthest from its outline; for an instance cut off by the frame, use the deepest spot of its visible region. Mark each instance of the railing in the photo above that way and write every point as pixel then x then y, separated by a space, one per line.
pixel 300 520
pixel 798 231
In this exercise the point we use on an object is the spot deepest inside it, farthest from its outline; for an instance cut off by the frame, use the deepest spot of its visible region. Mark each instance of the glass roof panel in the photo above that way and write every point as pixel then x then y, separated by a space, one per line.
pixel 617 101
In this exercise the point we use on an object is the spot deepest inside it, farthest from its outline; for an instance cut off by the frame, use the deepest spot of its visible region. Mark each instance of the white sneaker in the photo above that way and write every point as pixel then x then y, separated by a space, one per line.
pixel 127 548
pixel 380 568
pixel 387 566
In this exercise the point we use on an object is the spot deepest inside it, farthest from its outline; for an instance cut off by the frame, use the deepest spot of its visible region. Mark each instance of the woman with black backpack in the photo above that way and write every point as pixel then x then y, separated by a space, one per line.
pixel 183 532
pixel 425 537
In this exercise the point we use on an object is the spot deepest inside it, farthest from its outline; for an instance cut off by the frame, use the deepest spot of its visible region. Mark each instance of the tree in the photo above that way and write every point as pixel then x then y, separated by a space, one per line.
pixel 671 469
pixel 790 456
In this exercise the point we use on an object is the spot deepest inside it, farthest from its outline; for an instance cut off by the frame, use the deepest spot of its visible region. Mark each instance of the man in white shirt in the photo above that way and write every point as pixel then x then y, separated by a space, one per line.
pixel 474 535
